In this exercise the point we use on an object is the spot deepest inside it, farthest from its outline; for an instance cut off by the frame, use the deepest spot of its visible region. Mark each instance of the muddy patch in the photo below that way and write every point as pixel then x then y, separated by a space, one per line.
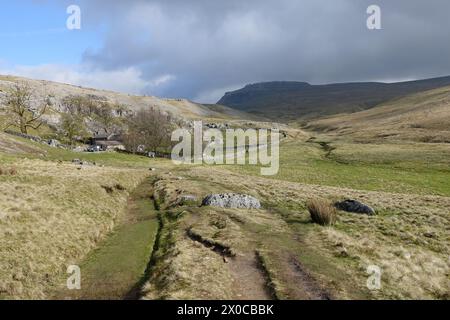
pixel 303 285
pixel 249 279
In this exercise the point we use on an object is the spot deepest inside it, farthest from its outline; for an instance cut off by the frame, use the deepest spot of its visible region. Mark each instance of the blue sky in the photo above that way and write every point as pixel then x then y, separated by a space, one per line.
pixel 199 49
pixel 34 32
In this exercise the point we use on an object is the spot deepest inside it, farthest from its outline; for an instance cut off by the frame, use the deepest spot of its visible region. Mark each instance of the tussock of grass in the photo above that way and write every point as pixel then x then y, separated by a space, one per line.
pixel 322 212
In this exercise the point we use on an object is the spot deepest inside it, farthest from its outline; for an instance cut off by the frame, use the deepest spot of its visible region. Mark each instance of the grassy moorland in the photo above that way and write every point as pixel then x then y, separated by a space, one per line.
pixel 100 217
pixel 53 212
pixel 116 268
pixel 420 117
pixel 406 167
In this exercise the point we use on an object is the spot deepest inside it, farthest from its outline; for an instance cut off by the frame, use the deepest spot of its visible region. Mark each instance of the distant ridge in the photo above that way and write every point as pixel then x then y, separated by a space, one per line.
pixel 290 100
pixel 422 117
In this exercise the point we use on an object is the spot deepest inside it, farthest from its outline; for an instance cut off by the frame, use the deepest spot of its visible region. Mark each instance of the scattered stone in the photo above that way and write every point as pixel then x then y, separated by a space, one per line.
pixel 187 200
pixel 355 207
pixel 429 235
pixel 232 200
pixel 82 162
pixel 53 143
pixel 22 135
pixel 152 169
pixel 188 197
pixel 343 252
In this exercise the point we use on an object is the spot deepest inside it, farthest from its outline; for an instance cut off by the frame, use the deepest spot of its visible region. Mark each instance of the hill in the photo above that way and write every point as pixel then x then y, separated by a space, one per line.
pixel 423 117
pixel 300 100
pixel 178 107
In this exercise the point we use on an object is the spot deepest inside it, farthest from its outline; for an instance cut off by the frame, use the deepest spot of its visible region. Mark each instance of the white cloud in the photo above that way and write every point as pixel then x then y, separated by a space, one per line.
pixel 127 80
pixel 214 95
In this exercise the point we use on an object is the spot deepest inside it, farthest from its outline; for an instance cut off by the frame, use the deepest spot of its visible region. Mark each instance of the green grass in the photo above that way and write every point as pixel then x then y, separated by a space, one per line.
pixel 46 152
pixel 331 270
pixel 411 168
pixel 117 267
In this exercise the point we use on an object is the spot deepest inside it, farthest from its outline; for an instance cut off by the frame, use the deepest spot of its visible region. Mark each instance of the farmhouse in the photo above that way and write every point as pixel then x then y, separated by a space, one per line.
pixel 107 142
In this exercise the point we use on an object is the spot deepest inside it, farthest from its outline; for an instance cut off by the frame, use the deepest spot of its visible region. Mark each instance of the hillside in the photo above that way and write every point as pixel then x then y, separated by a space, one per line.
pixel 106 217
pixel 423 117
pixel 178 107
pixel 300 100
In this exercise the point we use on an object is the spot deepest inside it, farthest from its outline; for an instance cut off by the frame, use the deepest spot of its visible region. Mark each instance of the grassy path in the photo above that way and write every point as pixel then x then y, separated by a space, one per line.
pixel 117 267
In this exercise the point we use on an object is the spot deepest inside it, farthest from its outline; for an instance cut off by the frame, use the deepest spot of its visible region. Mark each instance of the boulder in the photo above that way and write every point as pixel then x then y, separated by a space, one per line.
pixel 232 200
pixel 188 197
pixel 187 200
pixel 53 143
pixel 355 207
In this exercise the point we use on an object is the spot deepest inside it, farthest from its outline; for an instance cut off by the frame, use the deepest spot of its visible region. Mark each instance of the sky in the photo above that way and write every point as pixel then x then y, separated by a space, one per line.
pixel 200 49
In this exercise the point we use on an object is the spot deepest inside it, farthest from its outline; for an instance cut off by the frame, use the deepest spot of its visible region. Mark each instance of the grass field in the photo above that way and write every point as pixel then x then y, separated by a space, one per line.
pixel 408 238
pixel 52 214
pixel 402 168
pixel 116 269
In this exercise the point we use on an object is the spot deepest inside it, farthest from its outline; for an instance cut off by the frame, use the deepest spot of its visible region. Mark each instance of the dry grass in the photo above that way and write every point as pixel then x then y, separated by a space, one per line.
pixel 51 216
pixel 322 212
pixel 422 117
pixel 408 239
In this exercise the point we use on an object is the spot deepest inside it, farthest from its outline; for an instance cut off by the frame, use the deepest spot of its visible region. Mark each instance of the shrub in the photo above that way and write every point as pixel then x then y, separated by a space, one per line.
pixel 322 212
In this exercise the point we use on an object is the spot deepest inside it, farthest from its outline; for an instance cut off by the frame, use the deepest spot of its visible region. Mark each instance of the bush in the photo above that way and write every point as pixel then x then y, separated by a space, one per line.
pixel 322 212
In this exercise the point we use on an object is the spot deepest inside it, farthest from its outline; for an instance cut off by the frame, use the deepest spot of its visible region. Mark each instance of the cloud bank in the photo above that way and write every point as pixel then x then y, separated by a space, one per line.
pixel 199 49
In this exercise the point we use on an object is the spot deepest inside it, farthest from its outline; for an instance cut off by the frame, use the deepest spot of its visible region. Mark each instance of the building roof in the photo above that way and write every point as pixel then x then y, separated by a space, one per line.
pixel 109 143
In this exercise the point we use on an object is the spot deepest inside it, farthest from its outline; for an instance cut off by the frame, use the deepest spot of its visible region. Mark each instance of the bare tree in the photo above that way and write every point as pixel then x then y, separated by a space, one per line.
pixel 104 115
pixel 23 109
pixel 150 128
pixel 132 141
pixel 72 126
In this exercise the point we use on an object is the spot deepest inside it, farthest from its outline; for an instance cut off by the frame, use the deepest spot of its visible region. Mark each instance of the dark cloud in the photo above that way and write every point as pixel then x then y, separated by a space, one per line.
pixel 200 48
